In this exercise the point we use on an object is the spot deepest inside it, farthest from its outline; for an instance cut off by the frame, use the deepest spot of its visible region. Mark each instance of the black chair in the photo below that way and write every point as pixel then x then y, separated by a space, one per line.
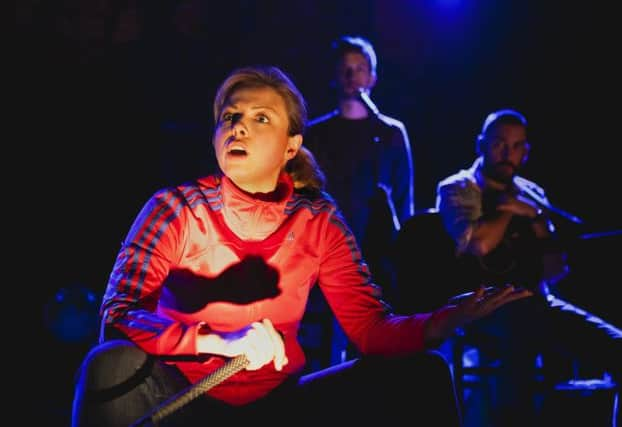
pixel 428 274
pixel 424 264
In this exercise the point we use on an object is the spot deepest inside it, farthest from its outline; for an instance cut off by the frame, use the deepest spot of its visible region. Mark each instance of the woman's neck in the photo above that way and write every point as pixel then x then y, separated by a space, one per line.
pixel 273 193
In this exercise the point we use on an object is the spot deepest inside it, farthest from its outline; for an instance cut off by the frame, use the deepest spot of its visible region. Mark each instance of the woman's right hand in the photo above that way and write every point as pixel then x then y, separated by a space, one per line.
pixel 259 342
pixel 469 307
pixel 484 301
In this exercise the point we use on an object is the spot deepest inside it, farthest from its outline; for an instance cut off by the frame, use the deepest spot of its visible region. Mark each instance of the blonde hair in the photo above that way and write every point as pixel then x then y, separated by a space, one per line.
pixel 303 168
pixel 305 172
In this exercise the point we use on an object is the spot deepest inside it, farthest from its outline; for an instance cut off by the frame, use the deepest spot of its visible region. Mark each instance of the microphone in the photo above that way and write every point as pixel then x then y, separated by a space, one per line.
pixel 367 101
pixel 547 206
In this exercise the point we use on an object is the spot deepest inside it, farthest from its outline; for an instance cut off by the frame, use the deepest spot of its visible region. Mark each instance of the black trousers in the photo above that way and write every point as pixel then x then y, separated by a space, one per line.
pixel 550 327
pixel 119 384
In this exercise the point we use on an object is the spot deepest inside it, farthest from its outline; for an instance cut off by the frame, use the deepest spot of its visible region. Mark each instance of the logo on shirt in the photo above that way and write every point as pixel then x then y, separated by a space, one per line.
pixel 290 236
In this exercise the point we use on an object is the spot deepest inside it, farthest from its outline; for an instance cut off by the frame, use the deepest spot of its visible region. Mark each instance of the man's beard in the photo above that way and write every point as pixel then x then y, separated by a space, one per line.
pixel 502 172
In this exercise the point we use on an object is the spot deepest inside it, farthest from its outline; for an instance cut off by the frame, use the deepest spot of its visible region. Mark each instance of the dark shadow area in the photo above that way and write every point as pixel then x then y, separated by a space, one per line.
pixel 425 265
pixel 593 279
pixel 246 282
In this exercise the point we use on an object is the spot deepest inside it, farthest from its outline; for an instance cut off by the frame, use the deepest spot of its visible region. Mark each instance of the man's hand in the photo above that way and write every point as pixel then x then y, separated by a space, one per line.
pixel 518 205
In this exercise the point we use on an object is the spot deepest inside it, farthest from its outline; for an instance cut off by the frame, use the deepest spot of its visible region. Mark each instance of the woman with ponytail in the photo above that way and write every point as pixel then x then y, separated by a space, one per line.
pixel 222 268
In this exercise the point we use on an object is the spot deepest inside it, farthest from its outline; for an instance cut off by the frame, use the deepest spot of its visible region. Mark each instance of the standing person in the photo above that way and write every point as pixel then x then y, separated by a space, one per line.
pixel 222 267
pixel 367 159
pixel 502 226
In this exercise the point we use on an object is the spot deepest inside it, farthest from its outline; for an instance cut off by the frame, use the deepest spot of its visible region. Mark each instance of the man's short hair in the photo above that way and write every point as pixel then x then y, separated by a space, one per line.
pixel 358 44
pixel 505 115
pixel 502 116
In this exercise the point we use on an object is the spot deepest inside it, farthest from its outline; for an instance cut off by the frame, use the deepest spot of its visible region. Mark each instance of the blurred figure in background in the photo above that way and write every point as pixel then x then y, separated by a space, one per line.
pixel 368 162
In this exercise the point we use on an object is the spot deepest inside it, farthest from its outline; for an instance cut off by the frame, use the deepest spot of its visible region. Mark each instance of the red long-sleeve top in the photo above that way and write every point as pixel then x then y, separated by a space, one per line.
pixel 208 257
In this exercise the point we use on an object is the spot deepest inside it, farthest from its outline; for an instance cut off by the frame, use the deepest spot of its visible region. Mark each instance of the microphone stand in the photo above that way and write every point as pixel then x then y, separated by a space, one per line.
pixel 367 101
pixel 546 205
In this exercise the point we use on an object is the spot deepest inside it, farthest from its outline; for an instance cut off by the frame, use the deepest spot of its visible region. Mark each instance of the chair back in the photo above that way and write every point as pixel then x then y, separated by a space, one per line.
pixel 426 269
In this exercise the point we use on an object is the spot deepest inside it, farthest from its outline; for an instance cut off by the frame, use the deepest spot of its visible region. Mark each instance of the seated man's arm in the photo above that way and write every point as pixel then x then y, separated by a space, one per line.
pixel 460 205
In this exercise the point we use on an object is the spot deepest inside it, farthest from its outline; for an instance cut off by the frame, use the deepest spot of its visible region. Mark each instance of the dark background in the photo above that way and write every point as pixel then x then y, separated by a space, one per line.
pixel 114 101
